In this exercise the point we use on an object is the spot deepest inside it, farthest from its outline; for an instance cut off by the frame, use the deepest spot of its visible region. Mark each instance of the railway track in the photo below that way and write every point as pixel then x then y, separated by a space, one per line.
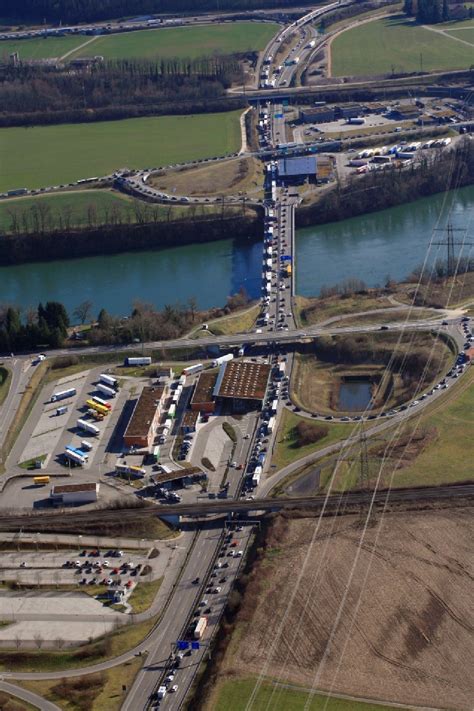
pixel 71 519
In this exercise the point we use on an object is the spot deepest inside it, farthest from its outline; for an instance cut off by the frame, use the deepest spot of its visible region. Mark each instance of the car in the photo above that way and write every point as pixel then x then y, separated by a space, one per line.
pixel 203 603
pixel 196 581
pixel 170 677
pixel 217 589
pixel 384 328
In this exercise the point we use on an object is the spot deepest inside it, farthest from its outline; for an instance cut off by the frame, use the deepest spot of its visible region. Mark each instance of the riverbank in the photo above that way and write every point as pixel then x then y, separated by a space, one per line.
pixel 381 189
pixel 113 239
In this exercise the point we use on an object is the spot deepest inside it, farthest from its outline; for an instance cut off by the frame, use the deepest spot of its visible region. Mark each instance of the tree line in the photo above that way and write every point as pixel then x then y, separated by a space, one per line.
pixel 47 326
pixel 433 11
pixel 42 218
pixel 112 239
pixel 75 11
pixel 116 89
pixel 437 171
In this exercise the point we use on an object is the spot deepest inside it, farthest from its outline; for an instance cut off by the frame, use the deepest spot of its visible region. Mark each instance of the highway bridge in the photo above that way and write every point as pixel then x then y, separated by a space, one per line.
pixel 69 520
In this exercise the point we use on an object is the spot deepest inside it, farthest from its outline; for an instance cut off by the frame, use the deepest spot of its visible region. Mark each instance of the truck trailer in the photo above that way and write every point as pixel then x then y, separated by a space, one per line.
pixel 63 394
pixel 145 360
pixel 88 427
pixel 200 628
pixel 191 369
pixel 222 359
pixel 106 389
pixel 109 380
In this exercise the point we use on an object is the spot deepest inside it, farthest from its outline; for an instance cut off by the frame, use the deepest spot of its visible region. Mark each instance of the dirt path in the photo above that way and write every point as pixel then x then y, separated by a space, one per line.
pixel 76 49
pixel 446 34
pixel 244 146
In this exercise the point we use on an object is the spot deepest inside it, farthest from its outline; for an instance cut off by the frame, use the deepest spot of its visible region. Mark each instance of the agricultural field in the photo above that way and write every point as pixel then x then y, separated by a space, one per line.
pixel 61 154
pixel 396 45
pixel 83 207
pixel 233 695
pixel 380 613
pixel 181 42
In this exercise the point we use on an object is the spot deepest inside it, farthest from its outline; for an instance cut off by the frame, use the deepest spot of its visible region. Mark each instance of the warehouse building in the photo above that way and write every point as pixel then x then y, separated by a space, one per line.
pixel 74 494
pixel 294 171
pixel 349 111
pixel 202 399
pixel 320 114
pixel 140 430
pixel 241 385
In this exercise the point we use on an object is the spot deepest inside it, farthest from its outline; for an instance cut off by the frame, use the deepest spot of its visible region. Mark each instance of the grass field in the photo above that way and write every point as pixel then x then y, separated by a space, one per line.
pixel 286 452
pixel 76 206
pixel 183 42
pixel 96 692
pixel 234 695
pixel 396 44
pixel 466 34
pixel 55 155
pixel 41 48
pixel 144 594
pixel 227 178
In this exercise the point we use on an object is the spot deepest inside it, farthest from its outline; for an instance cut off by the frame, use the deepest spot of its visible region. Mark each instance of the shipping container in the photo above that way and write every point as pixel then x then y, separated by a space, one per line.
pixel 108 380
pixel 145 360
pixel 63 394
pixel 88 427
pixel 41 480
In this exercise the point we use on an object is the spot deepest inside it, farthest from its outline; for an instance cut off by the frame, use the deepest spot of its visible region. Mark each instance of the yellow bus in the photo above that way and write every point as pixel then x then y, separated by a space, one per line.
pixel 97 407
pixel 41 480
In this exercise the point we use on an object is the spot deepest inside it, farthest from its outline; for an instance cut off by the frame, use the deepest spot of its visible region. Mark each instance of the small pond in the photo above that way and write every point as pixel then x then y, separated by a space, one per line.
pixel 355 395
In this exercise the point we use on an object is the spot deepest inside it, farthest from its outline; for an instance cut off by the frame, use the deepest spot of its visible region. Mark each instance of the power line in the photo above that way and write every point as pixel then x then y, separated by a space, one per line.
pixel 450 243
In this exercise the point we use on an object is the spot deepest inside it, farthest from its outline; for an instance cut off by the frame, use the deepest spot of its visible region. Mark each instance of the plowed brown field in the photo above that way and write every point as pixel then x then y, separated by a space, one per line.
pixel 404 631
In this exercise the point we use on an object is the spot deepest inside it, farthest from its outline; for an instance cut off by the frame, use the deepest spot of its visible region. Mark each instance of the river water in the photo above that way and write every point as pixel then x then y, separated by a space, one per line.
pixel 369 247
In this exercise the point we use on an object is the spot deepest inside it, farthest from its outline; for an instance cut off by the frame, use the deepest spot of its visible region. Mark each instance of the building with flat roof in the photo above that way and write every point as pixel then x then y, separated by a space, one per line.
pixel 189 421
pixel 140 430
pixel 202 399
pixel 242 384
pixel 74 494
pixel 187 475
pixel 298 169
pixel 319 114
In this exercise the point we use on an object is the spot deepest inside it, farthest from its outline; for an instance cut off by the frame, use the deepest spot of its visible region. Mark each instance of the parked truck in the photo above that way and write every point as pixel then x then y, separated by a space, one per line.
pixel 61 410
pixel 110 392
pixel 200 628
pixel 191 369
pixel 63 394
pixel 109 380
pixel 86 445
pixel 145 360
pixel 222 359
pixel 88 427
